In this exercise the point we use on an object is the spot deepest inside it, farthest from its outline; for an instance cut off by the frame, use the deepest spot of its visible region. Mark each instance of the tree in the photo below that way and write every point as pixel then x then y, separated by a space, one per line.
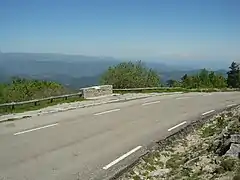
pixel 130 75
pixel 26 89
pixel 204 79
pixel 186 81
pixel 173 83
pixel 153 79
pixel 233 79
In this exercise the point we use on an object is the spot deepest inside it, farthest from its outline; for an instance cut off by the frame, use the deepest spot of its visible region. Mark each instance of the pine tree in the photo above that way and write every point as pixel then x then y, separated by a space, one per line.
pixel 233 79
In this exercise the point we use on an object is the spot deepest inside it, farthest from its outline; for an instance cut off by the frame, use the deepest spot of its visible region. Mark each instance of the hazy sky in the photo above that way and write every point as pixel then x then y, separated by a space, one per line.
pixel 192 29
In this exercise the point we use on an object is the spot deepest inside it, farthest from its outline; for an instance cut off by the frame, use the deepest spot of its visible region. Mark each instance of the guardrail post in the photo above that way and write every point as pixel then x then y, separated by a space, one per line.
pixel 12 107
pixel 35 103
pixel 51 100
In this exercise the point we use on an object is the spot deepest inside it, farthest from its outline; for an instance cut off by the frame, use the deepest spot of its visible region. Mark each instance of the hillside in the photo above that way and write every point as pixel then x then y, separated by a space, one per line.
pixel 74 71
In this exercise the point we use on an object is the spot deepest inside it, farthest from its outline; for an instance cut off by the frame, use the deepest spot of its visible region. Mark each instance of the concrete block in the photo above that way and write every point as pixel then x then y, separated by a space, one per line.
pixel 96 91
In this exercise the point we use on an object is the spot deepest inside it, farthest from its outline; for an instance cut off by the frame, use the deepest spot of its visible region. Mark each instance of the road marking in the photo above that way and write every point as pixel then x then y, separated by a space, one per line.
pixel 105 112
pixel 207 94
pixel 208 112
pixel 148 103
pixel 230 105
pixel 182 98
pixel 122 157
pixel 35 129
pixel 182 123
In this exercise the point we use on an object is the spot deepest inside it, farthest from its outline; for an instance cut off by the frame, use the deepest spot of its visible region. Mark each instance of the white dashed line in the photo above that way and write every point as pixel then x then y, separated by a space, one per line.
pixel 122 157
pixel 174 127
pixel 148 103
pixel 182 98
pixel 207 94
pixel 208 112
pixel 230 105
pixel 35 129
pixel 105 112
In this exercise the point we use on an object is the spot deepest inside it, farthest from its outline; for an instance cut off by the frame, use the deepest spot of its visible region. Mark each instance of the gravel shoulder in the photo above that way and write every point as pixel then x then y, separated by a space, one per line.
pixel 209 152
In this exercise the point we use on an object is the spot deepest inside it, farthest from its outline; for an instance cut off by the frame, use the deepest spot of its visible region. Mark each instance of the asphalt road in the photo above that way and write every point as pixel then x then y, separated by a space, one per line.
pixel 91 143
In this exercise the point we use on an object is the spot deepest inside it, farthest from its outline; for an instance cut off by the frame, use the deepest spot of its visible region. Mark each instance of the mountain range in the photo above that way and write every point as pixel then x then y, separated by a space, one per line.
pixel 77 71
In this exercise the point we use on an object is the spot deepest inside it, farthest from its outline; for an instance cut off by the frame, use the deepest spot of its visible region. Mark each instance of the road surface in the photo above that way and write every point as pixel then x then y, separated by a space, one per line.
pixel 92 143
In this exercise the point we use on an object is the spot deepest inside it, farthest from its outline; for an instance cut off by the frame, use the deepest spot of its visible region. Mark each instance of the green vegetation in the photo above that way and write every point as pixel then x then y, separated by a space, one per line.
pixel 204 79
pixel 208 131
pixel 131 75
pixel 233 79
pixel 228 164
pixel 23 90
pixel 209 79
pixel 137 75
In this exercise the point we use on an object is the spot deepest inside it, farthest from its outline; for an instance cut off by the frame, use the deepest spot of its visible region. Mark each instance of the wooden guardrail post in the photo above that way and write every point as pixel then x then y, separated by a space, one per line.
pixel 12 107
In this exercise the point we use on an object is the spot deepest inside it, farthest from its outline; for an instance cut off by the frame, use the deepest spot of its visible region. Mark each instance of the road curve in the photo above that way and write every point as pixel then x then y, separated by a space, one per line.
pixel 92 142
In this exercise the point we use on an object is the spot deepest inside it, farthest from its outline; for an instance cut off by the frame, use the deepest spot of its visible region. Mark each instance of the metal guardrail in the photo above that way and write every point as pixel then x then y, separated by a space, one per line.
pixel 35 101
pixel 148 88
pixel 174 88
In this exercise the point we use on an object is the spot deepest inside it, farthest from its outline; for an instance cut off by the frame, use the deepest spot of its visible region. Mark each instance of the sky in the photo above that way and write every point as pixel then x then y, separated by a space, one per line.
pixel 184 29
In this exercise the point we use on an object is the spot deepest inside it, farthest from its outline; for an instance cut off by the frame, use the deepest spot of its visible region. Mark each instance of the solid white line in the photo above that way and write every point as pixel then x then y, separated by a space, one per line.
pixel 208 112
pixel 122 157
pixel 35 129
pixel 148 103
pixel 184 122
pixel 105 112
pixel 231 105
pixel 183 98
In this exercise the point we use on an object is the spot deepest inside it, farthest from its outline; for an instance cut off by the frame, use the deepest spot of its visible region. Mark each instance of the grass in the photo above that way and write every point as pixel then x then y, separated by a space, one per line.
pixel 208 131
pixel 175 161
pixel 39 105
pixel 229 164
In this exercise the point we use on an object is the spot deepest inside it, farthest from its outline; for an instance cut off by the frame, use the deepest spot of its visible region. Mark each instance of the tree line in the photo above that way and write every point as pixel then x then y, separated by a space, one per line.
pixel 20 89
pixel 134 75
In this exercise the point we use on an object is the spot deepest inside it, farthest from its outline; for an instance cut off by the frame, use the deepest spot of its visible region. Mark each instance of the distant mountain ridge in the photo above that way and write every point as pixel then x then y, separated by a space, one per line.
pixel 73 70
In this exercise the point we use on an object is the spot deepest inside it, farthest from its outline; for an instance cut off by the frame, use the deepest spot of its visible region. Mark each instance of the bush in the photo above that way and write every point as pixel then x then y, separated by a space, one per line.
pixel 24 89
pixel 130 75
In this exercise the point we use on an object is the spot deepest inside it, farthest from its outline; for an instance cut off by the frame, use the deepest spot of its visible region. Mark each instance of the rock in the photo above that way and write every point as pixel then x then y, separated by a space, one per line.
pixel 234 151
pixel 235 138
pixel 225 146
pixel 159 172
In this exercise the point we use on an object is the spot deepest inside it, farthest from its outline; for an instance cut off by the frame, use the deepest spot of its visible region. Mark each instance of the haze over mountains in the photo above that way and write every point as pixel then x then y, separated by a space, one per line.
pixel 79 71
